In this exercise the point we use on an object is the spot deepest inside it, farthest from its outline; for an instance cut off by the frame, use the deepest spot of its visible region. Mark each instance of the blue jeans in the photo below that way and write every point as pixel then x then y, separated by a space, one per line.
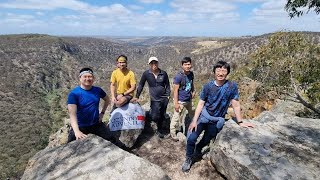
pixel 210 132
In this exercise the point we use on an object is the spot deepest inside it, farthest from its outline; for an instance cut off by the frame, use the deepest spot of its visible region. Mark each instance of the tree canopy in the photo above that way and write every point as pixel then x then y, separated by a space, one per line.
pixel 290 64
pixel 299 7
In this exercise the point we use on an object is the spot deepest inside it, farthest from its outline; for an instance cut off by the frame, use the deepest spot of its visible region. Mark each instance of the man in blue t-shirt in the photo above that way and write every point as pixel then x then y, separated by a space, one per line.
pixel 215 99
pixel 183 92
pixel 83 106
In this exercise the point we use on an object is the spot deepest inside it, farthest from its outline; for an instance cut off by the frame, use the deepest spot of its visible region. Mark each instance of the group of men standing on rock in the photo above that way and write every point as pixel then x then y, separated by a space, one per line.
pixel 215 98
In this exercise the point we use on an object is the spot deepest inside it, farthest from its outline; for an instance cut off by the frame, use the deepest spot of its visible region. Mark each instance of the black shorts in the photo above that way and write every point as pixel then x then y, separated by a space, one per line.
pixel 99 129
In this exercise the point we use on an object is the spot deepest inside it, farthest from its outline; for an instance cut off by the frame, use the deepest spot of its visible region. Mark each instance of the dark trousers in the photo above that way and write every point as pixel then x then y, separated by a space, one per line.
pixel 158 111
pixel 99 129
pixel 210 132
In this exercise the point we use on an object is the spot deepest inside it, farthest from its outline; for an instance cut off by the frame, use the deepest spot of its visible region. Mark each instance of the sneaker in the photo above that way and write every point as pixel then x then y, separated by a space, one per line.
pixel 174 137
pixel 187 164
pixel 159 134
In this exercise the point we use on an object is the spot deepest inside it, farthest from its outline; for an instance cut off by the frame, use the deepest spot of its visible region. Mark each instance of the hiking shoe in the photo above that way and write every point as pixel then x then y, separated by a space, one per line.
pixel 187 164
pixel 174 137
pixel 159 134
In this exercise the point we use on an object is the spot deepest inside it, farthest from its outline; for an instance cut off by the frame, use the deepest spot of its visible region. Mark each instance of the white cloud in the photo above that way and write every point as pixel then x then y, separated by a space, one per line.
pixel 225 17
pixel 66 4
pixel 40 13
pixel 135 7
pixel 45 5
pixel 270 11
pixel 153 13
pixel 178 18
pixel 151 1
pixel 202 6
pixel 247 1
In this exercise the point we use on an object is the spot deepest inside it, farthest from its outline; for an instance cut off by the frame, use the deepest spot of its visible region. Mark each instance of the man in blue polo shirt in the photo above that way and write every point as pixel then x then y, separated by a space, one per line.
pixel 215 99
pixel 83 106
pixel 159 90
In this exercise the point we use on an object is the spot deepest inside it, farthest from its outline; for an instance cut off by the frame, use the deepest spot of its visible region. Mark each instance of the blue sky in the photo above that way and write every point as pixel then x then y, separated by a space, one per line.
pixel 216 18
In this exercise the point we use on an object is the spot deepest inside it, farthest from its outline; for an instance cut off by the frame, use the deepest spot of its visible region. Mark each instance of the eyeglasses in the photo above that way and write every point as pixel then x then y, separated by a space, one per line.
pixel 221 70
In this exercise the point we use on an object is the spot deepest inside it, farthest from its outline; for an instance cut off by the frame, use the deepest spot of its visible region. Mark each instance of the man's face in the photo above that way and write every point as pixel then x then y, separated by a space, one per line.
pixel 122 65
pixel 221 73
pixel 153 65
pixel 86 79
pixel 186 66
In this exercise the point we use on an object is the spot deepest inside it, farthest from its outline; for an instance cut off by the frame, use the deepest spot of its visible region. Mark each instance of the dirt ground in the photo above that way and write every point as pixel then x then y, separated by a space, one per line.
pixel 170 155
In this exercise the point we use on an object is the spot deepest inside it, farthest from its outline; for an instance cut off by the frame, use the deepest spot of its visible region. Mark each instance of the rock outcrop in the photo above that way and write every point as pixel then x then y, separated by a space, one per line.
pixel 126 124
pixel 90 158
pixel 280 146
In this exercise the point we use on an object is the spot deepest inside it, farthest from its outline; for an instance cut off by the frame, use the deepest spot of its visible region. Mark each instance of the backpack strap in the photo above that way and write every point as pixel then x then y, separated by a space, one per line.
pixel 183 80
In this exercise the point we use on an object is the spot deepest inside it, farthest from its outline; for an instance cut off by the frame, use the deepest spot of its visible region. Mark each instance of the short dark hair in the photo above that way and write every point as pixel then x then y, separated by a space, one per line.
pixel 122 56
pixel 185 60
pixel 221 64
pixel 85 69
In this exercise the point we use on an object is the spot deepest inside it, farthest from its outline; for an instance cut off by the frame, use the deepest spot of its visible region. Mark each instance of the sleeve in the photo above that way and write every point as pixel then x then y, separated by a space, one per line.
pixel 235 92
pixel 133 79
pixel 113 77
pixel 141 84
pixel 177 79
pixel 167 83
pixel 204 93
pixel 72 98
pixel 102 93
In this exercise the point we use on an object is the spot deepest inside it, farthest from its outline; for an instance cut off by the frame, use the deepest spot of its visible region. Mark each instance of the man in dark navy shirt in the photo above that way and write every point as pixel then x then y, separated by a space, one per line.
pixel 183 93
pixel 159 90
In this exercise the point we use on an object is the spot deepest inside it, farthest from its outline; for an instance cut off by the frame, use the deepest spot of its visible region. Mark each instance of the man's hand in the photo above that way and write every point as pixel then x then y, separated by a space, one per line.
pixel 192 126
pixel 79 135
pixel 177 107
pixel 119 96
pixel 101 117
pixel 193 94
pixel 246 125
pixel 134 100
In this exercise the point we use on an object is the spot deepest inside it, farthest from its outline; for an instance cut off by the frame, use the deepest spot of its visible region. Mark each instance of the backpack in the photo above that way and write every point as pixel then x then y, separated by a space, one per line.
pixel 183 81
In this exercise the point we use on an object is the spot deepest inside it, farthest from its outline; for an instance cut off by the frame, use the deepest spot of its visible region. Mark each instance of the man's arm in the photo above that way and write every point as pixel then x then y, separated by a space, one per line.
pixel 193 91
pixel 175 97
pixel 141 85
pixel 113 90
pixel 104 107
pixel 72 109
pixel 199 108
pixel 167 84
pixel 132 84
pixel 132 88
pixel 237 111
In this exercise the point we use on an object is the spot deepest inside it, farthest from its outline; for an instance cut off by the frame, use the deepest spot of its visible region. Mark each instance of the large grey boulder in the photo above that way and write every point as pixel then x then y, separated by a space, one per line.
pixel 126 124
pixel 281 146
pixel 126 138
pixel 91 158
